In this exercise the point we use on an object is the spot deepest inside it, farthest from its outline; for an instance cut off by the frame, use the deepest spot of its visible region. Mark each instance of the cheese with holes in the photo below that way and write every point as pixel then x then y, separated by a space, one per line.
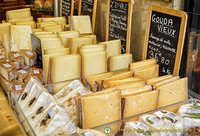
pixel 141 64
pixel 175 92
pixel 75 43
pixel 17 58
pixel 113 47
pixel 64 36
pixel 20 37
pixel 81 24
pixel 8 70
pixel 31 23
pixel 158 79
pixel 64 68
pixel 29 57
pixel 94 63
pixel 119 62
pixel 56 28
pixel 63 51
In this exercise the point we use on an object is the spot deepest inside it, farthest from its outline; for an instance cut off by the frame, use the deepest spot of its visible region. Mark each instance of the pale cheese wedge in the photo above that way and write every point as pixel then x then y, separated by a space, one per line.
pixel 83 50
pixel 19 13
pixel 46 36
pixel 85 46
pixel 50 43
pixel 91 36
pixel 158 79
pixel 14 21
pixel 46 24
pixel 37 30
pixel 31 23
pixel 59 20
pixel 56 28
pixel 141 64
pixel 57 50
pixel 8 70
pixel 29 57
pixel 43 33
pixel 166 82
pixel 5 36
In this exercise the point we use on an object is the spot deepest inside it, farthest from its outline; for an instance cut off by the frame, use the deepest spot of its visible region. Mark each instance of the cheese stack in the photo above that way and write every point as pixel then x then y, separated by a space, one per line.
pixel 17 58
pixel 146 69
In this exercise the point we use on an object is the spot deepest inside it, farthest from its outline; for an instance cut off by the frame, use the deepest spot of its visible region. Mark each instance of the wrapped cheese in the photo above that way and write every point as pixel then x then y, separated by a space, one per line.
pixel 17 58
pixel 22 75
pixel 29 57
pixel 17 89
pixel 37 73
pixel 8 70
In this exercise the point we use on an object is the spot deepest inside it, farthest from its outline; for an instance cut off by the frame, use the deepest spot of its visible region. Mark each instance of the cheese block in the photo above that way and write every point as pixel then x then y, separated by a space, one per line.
pixel 50 43
pixel 158 79
pixel 31 23
pixel 37 30
pixel 175 92
pixel 8 70
pixel 59 20
pixel 5 36
pixel 94 82
pixel 29 57
pixel 43 33
pixel 141 64
pixel 92 36
pixel 20 37
pixel 113 47
pixel 17 58
pixel 147 73
pixel 131 86
pixel 120 76
pixel 166 82
pixel 94 63
pixel 119 62
pixel 17 89
pixel 123 81
pixel 64 68
pixel 93 46
pixel 56 28
pixel 63 51
pixel 22 75
pixel 37 74
pixel 91 132
pixel 81 24
pixel 18 13
pixel 46 36
pixel 65 35
pixel 18 20
pixel 97 113
pixel 85 51
pixel 46 24
pixel 74 43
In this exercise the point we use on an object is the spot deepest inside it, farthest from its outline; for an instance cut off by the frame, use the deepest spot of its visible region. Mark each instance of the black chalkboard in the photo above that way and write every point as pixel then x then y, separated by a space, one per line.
pixel 119 22
pixel 165 37
pixel 87 8
pixel 67 8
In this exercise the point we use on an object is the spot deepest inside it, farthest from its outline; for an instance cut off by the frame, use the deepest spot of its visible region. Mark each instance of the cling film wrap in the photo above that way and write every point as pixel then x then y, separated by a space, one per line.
pixel 20 37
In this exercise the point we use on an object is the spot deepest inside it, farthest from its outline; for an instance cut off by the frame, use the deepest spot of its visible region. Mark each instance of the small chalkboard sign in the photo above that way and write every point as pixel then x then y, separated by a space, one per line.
pixel 88 7
pixel 164 38
pixel 67 9
pixel 118 25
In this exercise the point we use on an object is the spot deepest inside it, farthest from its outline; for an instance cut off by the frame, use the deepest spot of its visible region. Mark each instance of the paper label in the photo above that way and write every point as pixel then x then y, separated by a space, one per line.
pixel 16 55
pixel 22 71
pixel 70 127
pixel 47 103
pixel 88 134
pixel 7 65
pixel 37 93
pixel 36 71
pixel 153 119
pixel 51 113
pixel 18 87
pixel 194 111
pixel 2 56
pixel 29 53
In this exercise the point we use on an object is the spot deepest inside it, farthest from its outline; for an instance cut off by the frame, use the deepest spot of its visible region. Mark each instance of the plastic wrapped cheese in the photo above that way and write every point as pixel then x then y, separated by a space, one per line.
pixel 18 13
pixel 29 57
pixel 17 58
pixel 8 70
pixel 17 89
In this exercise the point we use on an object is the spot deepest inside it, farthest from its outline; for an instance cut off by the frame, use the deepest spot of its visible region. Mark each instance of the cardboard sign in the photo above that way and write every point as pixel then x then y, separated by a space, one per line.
pixel 118 25
pixel 88 7
pixel 67 9
pixel 164 38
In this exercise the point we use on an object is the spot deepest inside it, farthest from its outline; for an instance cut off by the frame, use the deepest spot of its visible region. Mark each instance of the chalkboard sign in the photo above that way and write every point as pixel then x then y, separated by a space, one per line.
pixel 88 7
pixel 119 22
pixel 164 38
pixel 67 9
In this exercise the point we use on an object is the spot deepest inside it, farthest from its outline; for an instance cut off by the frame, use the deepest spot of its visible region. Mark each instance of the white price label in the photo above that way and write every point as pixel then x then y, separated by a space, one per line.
pixel 18 87
pixel 22 71
pixel 7 65
pixel 70 127
pixel 36 71
pixel 172 116
pixel 51 113
pixel 194 111
pixel 29 53
pixel 142 126
pixel 16 55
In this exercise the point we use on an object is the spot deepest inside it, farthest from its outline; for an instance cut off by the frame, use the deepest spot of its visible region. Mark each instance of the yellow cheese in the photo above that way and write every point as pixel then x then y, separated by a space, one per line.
pixel 46 36
pixel 173 92
pixel 81 24
pixel 37 30
pixel 158 79
pixel 5 35
pixel 59 20
pixel 19 13
pixel 31 23
pixel 91 36
pixel 113 47
pixel 74 43
pixel 49 43
pixel 56 28
pixel 43 33
pixel 20 37
pixel 141 64
pixel 84 50
pixel 8 70
pixel 46 24
pixel 85 46
pixel 64 68
pixel 66 35
pixel 147 73
pixel 119 62
pixel 164 82
pixel 56 51
pixel 141 103
pixel 130 85
pixel 17 58
pixel 94 63
pixel 14 21
pixel 29 57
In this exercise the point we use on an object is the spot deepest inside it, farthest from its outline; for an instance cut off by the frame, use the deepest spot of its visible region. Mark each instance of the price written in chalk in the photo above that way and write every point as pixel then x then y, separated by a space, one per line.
pixel 87 8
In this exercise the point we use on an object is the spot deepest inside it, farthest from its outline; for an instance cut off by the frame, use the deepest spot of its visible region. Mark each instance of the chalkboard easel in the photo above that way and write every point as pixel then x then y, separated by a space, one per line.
pixel 164 38
pixel 67 9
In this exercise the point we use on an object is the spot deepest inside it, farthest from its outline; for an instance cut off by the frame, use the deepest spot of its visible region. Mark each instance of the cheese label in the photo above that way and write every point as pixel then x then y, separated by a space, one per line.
pixel 22 71
pixel 2 56
pixel 7 65
pixel 16 55
pixel 37 93
pixel 70 127
pixel 47 103
pixel 51 113
pixel 88 134
pixel 194 111
pixel 29 53
pixel 18 87
pixel 36 71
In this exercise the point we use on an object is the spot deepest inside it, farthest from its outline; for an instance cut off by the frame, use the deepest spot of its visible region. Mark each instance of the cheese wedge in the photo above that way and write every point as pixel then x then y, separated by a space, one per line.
pixel 120 76
pixel 83 50
pixel 93 46
pixel 59 20
pixel 175 92
pixel 17 58
pixel 19 13
pixel 65 35
pixel 64 68
pixel 119 62
pixel 81 24
pixel 166 82
pixel 147 73
pixel 43 33
pixel 20 37
pixel 94 63
pixel 91 36
pixel 31 23
pixel 46 24
pixel 158 79
pixel 141 64
pixel 37 30
pixel 74 43
pixel 65 51
pixel 56 28
pixel 94 82
pixel 37 74
pixel 5 36
pixel 29 57
pixel 8 70
pixel 113 47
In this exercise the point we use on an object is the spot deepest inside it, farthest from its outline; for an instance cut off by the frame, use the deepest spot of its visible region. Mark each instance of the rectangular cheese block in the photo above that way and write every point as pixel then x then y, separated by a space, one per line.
pixel 93 46
pixel 29 57
pixel 81 24
pixel 46 36
pixel 74 43
pixel 5 36
pixel 31 23
pixel 113 47
pixel 20 37
pixel 22 75
pixel 141 64
pixel 158 79
pixel 173 92
pixel 43 33
pixel 130 85
pixel 64 68
pixel 46 24
pixel 148 73
pixel 17 89
pixel 8 70
pixel 140 103
pixel 91 36
pixel 119 62
pixel 90 50
pixel 18 13
pixel 17 58
pixel 94 63
pixel 167 81
pixel 37 73
pixel 59 20
pixel 50 43
pixel 37 30
pixel 56 28
pixel 65 51
pixel 65 35
pixel 14 21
